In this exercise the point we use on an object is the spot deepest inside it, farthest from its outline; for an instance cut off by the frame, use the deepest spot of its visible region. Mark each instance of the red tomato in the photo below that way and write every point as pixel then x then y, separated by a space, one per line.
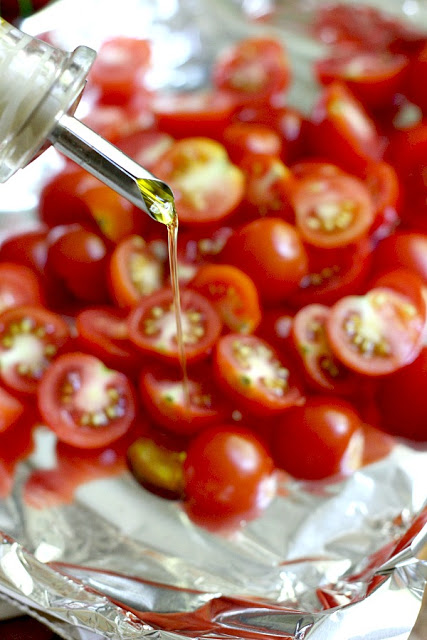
pixel 332 212
pixel 197 113
pixel 416 90
pixel 164 396
pixel 18 285
pixel 84 403
pixel 269 185
pixel 134 272
pixel 145 147
pixel 323 369
pixel 227 473
pixel 321 439
pixel 10 410
pixel 232 293
pixel 333 273
pixel 342 130
pixel 197 170
pixel 276 328
pixel 315 168
pixel 271 252
pixel 254 375
pixel 112 121
pixel 119 67
pixel 253 70
pixel 79 258
pixel 103 332
pixel 374 77
pixel 28 248
pixel 402 401
pixel 152 326
pixel 377 333
pixel 402 249
pixel 241 138
pixel 385 189
pixel 30 337
pixel 61 198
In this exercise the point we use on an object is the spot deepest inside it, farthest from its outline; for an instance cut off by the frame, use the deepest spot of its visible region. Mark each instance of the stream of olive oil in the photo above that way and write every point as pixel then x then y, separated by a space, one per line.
pixel 162 207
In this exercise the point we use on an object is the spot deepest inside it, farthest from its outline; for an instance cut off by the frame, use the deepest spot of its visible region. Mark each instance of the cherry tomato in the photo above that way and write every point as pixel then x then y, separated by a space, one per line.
pixel 241 138
pixel 269 185
pixel 18 285
pixel 152 326
pixel 332 212
pixel 321 439
pixel 402 401
pixel 119 67
pixel 28 248
pixel 84 403
pixel 253 70
pixel 11 409
pixel 416 90
pixel 333 273
pixel 134 272
pixel 163 394
pixel 384 186
pixel 271 252
pixel 30 337
pixel 197 113
pixel 276 328
pixel 197 169
pixel 228 472
pixel 374 77
pixel 232 293
pixel 315 168
pixel 79 258
pixel 342 130
pixel 402 249
pixel 377 333
pixel 157 467
pixel 254 375
pixel 145 147
pixel 103 332
pixel 323 369
pixel 61 199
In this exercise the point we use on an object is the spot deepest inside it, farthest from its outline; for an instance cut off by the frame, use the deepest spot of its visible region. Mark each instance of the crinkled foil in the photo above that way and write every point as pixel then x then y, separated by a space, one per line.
pixel 322 563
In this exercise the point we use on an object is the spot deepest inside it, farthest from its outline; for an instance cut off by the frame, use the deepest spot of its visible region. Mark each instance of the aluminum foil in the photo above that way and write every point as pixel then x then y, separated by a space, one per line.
pixel 326 561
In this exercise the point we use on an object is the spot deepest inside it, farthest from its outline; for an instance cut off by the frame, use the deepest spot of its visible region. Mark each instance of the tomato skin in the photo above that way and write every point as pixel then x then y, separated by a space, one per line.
pixel 60 199
pixel 320 439
pixel 163 396
pixel 11 409
pixel 237 359
pixel 18 285
pixel 402 249
pixel 271 252
pixel 27 248
pixel 386 192
pixel 134 272
pixel 415 90
pixel 232 293
pixel 79 258
pixel 269 185
pixel 196 169
pixel 402 402
pixel 227 473
pixel 157 467
pixel 152 328
pixel 72 383
pixel 253 70
pixel 241 138
pixel 30 336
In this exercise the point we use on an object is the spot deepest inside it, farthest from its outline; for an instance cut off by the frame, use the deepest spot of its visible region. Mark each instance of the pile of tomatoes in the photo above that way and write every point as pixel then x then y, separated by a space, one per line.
pixel 302 254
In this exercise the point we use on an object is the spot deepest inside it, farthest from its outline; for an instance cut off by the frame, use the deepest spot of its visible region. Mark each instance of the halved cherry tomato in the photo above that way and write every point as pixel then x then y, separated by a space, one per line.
pixel 323 369
pixel 402 401
pixel 164 396
pixel 205 112
pixel 332 212
pixel 134 272
pixel 342 130
pixel 241 138
pixel 28 248
pixel 254 375
pixel 11 409
pixel 30 337
pixel 321 439
pixel 18 285
pixel 79 258
pixel 113 121
pixel 333 273
pixel 374 77
pixel 315 168
pixel 157 467
pixel 228 473
pixel 402 249
pixel 253 70
pixel 232 293
pixel 196 170
pixel 119 67
pixel 152 326
pixel 269 185
pixel 377 333
pixel 384 186
pixel 271 252
pixel 416 90
pixel 145 147
pixel 84 403
pixel 276 328
pixel 103 332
